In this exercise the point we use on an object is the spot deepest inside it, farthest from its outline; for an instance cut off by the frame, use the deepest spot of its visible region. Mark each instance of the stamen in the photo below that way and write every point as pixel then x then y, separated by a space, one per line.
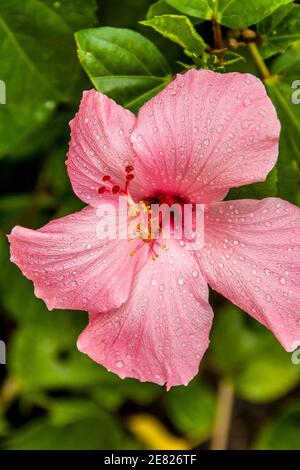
pixel 140 232
pixel 115 188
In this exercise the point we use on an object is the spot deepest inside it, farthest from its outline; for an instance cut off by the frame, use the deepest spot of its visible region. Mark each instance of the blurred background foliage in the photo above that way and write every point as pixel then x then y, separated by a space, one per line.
pixel 51 396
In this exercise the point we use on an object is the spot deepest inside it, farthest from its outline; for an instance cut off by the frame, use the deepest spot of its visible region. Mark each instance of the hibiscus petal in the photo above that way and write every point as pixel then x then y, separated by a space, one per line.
pixel 100 145
pixel 162 332
pixel 205 133
pixel 71 267
pixel 251 256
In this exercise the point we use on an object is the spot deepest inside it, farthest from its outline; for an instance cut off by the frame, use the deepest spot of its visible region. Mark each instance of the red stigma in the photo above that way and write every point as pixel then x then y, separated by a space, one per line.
pixel 115 189
pixel 111 185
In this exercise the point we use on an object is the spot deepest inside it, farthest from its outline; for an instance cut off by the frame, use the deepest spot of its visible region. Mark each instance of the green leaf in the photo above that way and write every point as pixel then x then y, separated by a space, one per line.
pixel 12 210
pixel 179 29
pixel 268 378
pixel 192 410
pixel 3 424
pixel 64 411
pixel 54 174
pixel 76 13
pixel 37 45
pixel 256 363
pixel 230 13
pixel 279 30
pixel 52 360
pixel 233 343
pixel 238 14
pixel 19 301
pixel 198 8
pixel 289 152
pixel 41 139
pixel 287 65
pixel 86 434
pixel 122 64
pixel 162 8
pixel 113 392
pixel 231 57
pixel 257 190
pixel 246 65
pixel 122 13
pixel 283 432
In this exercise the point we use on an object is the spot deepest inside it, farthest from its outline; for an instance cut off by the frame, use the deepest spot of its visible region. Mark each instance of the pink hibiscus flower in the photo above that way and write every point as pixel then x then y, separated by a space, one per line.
pixel 149 316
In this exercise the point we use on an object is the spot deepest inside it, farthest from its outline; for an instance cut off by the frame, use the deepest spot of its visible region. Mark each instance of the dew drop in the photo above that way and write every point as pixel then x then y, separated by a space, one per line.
pixel 282 281
pixel 247 102
pixel 262 112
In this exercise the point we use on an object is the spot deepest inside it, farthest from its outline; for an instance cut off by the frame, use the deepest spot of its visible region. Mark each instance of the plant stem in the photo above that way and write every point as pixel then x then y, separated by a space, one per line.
pixel 224 415
pixel 218 40
pixel 259 61
pixel 9 391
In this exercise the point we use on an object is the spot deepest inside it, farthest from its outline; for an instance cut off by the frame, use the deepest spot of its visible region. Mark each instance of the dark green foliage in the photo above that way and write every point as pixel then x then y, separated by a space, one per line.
pixel 51 396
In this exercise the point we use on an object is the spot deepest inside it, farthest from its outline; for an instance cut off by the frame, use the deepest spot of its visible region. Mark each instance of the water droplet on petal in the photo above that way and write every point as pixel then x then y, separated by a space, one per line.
pixel 247 102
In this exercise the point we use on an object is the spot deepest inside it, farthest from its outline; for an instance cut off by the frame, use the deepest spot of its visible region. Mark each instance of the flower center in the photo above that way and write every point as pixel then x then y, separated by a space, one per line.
pixel 142 223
